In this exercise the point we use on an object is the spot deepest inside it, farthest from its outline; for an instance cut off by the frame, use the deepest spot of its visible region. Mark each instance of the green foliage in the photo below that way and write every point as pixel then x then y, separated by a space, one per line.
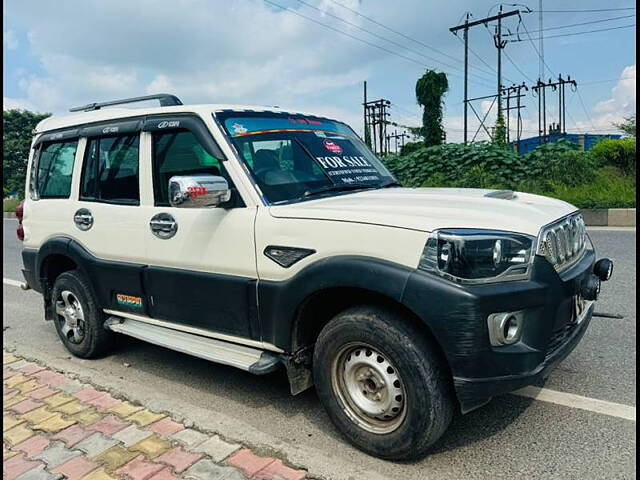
pixel 628 126
pixel 10 204
pixel 409 147
pixel 556 169
pixel 500 131
pixel 430 90
pixel 617 153
pixel 17 127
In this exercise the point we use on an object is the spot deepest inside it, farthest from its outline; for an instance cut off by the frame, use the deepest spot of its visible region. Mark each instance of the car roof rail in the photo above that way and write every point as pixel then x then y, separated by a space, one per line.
pixel 165 99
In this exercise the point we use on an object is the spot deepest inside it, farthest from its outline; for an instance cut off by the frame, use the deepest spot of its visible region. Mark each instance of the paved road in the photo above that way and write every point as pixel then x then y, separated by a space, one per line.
pixel 512 436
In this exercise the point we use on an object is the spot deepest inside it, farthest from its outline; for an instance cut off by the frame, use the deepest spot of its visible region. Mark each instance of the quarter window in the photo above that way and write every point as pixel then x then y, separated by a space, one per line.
pixel 179 153
pixel 55 169
pixel 110 170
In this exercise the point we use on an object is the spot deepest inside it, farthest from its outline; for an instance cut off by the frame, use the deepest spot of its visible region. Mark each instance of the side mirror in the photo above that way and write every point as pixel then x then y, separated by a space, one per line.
pixel 198 191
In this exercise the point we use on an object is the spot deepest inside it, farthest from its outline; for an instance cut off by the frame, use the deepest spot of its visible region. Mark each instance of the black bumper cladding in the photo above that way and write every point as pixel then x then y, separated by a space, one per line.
pixel 457 317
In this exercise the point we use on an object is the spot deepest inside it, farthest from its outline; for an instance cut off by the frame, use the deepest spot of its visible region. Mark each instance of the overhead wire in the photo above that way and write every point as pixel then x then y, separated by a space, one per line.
pixel 558 27
pixel 380 37
pixel 580 33
pixel 396 31
pixel 371 44
pixel 590 10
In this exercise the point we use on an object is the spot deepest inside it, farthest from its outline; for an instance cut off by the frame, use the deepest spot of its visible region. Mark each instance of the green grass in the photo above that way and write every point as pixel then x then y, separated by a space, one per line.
pixel 10 204
pixel 607 189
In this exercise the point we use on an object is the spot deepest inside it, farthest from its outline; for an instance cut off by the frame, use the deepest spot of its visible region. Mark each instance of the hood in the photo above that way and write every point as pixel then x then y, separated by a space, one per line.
pixel 427 209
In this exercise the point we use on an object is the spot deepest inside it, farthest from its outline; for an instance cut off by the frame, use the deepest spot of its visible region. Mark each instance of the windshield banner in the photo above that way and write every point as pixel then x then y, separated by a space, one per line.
pixel 342 161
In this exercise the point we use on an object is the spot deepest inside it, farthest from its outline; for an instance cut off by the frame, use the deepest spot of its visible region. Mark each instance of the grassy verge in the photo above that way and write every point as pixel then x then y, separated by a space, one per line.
pixel 10 204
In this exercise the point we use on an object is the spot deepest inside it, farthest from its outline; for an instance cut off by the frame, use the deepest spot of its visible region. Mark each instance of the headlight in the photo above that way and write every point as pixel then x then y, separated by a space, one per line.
pixel 477 256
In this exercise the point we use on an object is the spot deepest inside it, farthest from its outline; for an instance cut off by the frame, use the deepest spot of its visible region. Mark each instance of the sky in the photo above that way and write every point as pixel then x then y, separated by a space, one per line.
pixel 314 55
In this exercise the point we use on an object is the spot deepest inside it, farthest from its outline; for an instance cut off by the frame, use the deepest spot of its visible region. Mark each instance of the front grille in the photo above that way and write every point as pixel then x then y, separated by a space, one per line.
pixel 560 336
pixel 563 242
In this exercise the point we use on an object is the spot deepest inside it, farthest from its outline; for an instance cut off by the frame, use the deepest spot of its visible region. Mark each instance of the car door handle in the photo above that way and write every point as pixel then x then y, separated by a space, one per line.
pixel 163 225
pixel 83 219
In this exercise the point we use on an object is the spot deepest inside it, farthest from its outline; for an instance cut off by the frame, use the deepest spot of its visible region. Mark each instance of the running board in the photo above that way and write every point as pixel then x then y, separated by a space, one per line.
pixel 250 359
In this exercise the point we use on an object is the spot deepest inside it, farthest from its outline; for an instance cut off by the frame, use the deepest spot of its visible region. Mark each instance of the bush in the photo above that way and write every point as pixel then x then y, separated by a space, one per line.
pixel 555 169
pixel 10 204
pixel 619 153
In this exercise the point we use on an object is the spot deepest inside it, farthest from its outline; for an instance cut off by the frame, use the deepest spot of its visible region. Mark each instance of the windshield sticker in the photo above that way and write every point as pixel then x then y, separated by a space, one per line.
pixel 238 128
pixel 332 146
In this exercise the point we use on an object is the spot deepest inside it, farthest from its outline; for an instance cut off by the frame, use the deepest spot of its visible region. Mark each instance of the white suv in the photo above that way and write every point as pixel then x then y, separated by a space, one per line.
pixel 261 238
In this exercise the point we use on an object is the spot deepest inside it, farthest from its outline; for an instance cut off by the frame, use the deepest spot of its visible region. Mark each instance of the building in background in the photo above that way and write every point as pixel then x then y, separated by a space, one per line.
pixel 584 141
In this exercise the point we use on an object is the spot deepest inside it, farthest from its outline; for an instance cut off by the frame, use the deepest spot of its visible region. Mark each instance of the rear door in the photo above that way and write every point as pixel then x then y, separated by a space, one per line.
pixel 108 217
pixel 203 273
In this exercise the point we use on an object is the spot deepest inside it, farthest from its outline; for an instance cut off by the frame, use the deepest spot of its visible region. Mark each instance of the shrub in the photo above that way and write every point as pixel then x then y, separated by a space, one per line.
pixel 556 169
pixel 619 153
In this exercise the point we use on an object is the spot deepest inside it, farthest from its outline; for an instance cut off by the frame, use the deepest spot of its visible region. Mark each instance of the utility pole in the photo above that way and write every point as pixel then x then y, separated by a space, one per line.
pixel 513 92
pixel 500 44
pixel 466 73
pixel 367 138
pixel 376 117
pixel 540 89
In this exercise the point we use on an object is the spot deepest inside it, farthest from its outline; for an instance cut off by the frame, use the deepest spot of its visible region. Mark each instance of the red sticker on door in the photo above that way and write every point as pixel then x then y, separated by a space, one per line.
pixel 332 146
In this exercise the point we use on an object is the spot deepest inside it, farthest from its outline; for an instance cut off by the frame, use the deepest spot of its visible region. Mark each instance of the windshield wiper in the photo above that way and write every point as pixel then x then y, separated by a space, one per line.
pixel 337 188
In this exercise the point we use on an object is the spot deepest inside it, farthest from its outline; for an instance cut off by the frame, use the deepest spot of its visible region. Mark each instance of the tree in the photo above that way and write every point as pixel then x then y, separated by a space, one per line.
pixel 430 90
pixel 628 126
pixel 500 131
pixel 17 132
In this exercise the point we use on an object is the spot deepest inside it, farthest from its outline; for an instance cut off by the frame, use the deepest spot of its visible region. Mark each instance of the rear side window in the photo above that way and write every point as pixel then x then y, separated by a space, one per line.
pixel 110 172
pixel 55 169
pixel 179 153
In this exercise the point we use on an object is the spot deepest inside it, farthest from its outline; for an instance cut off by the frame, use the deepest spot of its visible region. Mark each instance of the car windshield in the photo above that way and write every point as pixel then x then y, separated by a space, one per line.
pixel 295 157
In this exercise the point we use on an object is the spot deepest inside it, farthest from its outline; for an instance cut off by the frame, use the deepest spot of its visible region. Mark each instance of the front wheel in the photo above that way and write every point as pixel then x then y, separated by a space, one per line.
pixel 382 383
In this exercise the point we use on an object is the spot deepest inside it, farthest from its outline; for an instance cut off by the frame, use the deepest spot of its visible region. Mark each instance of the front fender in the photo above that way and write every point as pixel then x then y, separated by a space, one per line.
pixel 279 300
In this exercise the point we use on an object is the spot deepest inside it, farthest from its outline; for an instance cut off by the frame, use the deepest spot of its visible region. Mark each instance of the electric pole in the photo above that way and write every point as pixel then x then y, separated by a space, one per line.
pixel 540 89
pixel 500 44
pixel 514 92
pixel 376 115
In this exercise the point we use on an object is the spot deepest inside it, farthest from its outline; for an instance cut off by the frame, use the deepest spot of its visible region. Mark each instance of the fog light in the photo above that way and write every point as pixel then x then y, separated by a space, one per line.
pixel 505 328
pixel 590 288
pixel 603 269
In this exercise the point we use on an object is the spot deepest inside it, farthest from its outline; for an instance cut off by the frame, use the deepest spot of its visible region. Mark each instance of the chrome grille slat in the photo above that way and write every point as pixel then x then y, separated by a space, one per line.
pixel 563 242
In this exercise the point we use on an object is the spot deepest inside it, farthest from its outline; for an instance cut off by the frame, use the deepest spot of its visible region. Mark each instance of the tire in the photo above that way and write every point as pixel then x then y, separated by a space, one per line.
pixel 89 338
pixel 418 387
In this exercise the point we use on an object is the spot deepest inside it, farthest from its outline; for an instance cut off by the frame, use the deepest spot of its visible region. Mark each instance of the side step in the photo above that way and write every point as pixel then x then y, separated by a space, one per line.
pixel 250 359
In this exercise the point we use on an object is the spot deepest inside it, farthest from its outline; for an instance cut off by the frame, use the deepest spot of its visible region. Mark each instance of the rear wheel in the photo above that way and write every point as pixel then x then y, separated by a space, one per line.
pixel 382 383
pixel 78 320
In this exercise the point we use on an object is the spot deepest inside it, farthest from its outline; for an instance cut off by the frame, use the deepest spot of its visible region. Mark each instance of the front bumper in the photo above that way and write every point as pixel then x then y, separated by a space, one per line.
pixel 475 392
pixel 457 317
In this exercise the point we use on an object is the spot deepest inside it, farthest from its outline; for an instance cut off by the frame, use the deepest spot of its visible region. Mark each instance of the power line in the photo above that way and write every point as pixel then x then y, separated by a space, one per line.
pixel 581 33
pixel 393 42
pixel 557 27
pixel 584 108
pixel 588 10
pixel 534 46
pixel 371 44
pixel 517 68
pixel 396 32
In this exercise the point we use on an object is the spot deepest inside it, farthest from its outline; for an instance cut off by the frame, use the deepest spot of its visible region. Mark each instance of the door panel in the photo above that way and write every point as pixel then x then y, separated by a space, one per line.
pixel 204 275
pixel 202 267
